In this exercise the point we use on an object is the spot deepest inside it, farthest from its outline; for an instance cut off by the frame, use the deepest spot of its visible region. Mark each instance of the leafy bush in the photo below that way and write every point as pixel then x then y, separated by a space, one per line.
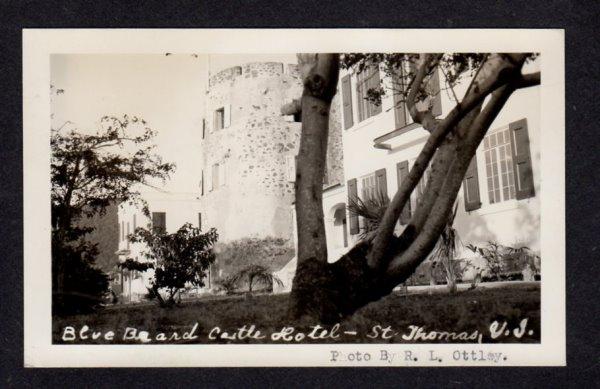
pixel 256 274
pixel 83 286
pixel 270 253
pixel 506 262
pixel 181 258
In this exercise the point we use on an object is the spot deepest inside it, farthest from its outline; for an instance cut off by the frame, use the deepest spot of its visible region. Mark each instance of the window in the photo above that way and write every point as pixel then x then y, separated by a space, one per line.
pixel 203 128
pixel 290 165
pixel 199 220
pixel 219 118
pixel 369 187
pixel 215 177
pixel 366 80
pixel 127 237
pixel 122 230
pixel 159 222
pixel 499 166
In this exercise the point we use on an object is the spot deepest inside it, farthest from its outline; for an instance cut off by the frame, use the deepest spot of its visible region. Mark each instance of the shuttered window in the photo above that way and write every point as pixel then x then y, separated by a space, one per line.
pixel 499 166
pixel 199 220
pixel 290 167
pixel 522 169
pixel 399 87
pixel 471 187
pixel 159 222
pixel 381 182
pixel 402 172
pixel 368 187
pixel 215 177
pixel 347 102
pixel 352 196
pixel 365 80
pixel 219 119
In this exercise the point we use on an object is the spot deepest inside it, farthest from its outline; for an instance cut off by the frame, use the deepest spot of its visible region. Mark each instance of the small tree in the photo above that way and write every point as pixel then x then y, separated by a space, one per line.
pixel 181 258
pixel 256 274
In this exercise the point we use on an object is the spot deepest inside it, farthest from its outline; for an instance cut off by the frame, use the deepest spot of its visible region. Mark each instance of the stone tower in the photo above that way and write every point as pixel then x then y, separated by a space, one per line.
pixel 248 151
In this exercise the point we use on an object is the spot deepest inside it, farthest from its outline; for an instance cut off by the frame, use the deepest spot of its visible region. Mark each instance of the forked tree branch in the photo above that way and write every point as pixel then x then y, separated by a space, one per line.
pixel 407 261
pixel 425 118
pixel 498 72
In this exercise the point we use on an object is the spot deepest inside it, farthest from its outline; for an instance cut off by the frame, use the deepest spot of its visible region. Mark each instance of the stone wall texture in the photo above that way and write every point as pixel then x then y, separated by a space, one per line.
pixel 256 149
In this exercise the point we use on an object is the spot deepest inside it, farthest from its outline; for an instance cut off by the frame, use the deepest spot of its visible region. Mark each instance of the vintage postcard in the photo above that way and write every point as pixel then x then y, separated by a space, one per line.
pixel 294 198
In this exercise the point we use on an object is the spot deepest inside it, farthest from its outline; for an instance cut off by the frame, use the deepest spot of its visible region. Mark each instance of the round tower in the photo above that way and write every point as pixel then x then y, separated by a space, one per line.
pixel 248 151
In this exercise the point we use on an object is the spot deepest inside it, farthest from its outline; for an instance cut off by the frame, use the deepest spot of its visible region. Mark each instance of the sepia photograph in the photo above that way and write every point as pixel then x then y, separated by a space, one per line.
pixel 328 198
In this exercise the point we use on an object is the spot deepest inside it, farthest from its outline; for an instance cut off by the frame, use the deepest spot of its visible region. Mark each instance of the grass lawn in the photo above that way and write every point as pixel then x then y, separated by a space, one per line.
pixel 469 311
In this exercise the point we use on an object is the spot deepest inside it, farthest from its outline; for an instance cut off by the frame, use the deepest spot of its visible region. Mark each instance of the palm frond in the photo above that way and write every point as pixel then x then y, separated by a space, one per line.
pixel 371 210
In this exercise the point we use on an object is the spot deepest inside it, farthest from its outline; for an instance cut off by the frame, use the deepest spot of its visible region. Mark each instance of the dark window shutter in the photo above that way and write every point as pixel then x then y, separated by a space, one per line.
pixel 159 220
pixel 519 142
pixel 202 182
pixel 471 187
pixel 199 220
pixel 353 196
pixel 399 105
pixel 381 182
pixel 436 96
pixel 347 102
pixel 402 170
pixel 203 128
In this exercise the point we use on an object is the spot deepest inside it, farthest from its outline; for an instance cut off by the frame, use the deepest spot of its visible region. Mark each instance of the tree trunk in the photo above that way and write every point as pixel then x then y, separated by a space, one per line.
pixel 328 292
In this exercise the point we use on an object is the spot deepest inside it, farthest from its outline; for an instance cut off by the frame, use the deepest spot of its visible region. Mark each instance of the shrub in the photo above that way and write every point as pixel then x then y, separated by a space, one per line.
pixel 270 253
pixel 181 258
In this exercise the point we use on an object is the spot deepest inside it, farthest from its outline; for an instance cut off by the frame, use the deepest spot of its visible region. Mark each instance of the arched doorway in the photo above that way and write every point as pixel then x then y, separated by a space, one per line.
pixel 340 226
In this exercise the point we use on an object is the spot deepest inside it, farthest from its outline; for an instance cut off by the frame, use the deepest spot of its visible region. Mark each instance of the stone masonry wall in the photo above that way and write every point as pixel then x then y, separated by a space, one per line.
pixel 257 197
pixel 257 149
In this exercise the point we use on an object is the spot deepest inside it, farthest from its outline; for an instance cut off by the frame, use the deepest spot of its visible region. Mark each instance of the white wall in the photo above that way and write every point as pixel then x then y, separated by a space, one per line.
pixel 513 222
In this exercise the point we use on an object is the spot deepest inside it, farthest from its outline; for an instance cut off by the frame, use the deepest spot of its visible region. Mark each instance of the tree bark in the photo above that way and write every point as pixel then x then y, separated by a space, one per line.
pixel 319 76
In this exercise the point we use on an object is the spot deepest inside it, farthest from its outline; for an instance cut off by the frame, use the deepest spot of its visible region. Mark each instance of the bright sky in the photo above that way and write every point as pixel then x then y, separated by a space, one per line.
pixel 167 91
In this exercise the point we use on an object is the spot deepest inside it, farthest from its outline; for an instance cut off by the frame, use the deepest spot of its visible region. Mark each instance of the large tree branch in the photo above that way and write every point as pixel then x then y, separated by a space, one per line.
pixel 406 262
pixel 425 118
pixel 527 80
pixel 495 74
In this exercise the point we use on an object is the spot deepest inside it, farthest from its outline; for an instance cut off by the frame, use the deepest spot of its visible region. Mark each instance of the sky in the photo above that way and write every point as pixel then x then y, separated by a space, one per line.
pixel 166 91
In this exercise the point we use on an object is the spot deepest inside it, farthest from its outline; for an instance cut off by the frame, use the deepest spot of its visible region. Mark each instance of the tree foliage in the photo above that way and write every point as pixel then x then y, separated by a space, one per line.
pixel 179 259
pixel 89 172
pixel 253 275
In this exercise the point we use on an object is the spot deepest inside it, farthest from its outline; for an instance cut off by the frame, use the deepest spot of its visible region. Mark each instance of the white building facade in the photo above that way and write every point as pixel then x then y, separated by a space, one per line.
pixel 499 200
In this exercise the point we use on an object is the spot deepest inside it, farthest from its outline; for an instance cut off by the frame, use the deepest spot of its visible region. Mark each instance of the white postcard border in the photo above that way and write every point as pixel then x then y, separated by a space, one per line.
pixel 39 44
